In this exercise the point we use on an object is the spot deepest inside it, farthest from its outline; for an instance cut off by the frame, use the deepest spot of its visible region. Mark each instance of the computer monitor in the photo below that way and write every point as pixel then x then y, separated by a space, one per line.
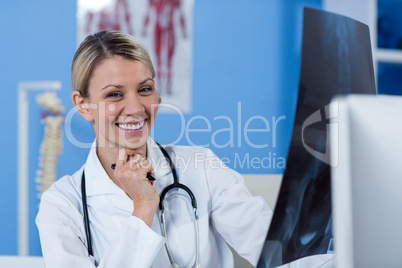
pixel 366 142
pixel 336 59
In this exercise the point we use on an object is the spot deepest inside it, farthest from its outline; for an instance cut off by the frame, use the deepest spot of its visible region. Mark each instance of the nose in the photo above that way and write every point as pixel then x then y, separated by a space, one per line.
pixel 133 105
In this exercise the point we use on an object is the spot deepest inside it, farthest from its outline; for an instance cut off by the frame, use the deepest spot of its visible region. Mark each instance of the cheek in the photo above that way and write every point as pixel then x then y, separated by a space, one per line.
pixel 111 111
pixel 152 109
pixel 153 105
pixel 105 114
pixel 111 107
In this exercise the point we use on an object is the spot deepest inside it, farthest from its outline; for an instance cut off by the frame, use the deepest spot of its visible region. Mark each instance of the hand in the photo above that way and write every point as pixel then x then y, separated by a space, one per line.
pixel 130 173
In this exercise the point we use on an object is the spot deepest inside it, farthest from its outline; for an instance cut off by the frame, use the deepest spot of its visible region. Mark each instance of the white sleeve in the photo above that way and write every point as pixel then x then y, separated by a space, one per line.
pixel 240 218
pixel 64 245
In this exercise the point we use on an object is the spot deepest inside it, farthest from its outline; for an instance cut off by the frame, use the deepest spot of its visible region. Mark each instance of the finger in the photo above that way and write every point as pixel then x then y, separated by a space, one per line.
pixel 149 171
pixel 135 152
pixel 121 158
pixel 146 165
pixel 134 159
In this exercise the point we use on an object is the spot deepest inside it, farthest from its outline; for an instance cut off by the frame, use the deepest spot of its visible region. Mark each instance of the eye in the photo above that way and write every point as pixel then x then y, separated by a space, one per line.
pixel 145 90
pixel 114 95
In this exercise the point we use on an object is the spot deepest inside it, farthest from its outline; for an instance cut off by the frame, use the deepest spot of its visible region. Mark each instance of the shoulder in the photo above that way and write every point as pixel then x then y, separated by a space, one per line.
pixel 185 150
pixel 68 185
pixel 199 159
pixel 65 193
pixel 60 208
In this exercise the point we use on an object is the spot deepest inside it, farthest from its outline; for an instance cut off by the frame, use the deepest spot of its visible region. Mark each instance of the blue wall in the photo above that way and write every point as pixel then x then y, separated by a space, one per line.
pixel 246 52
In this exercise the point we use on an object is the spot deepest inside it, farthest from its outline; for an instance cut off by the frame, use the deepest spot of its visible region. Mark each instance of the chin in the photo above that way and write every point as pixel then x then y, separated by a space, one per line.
pixel 135 144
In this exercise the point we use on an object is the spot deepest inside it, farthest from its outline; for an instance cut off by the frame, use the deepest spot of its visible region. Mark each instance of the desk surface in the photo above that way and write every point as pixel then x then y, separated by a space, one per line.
pixel 21 262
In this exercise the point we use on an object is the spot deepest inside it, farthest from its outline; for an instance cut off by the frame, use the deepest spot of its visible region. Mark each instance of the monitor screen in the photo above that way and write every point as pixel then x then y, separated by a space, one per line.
pixel 366 184
pixel 336 59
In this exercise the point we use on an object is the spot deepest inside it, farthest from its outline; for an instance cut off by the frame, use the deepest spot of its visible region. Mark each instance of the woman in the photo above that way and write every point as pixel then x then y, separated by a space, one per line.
pixel 114 89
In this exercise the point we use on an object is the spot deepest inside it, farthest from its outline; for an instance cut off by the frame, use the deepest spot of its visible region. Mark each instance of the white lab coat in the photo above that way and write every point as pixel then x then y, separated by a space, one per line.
pixel 314 261
pixel 227 212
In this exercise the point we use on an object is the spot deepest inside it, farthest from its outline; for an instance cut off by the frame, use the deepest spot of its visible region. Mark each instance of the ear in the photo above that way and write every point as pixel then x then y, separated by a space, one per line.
pixel 82 105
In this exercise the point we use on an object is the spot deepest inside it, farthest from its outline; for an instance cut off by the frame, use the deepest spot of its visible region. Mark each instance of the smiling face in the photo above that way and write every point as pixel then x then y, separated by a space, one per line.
pixel 122 103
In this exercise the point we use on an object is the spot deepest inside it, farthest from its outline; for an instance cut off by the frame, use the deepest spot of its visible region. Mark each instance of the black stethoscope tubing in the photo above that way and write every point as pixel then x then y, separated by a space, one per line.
pixel 175 184
pixel 85 211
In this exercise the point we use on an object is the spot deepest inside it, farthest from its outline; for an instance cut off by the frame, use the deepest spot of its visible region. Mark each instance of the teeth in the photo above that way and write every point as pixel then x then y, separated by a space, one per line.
pixel 131 126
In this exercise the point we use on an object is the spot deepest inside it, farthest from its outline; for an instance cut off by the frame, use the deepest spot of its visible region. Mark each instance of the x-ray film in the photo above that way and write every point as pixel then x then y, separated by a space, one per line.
pixel 336 59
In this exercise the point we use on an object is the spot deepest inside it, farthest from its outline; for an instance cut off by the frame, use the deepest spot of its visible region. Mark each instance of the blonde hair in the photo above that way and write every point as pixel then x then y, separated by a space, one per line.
pixel 100 46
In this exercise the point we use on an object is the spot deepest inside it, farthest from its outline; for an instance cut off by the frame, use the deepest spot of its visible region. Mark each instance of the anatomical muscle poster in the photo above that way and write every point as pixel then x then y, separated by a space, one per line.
pixel 163 27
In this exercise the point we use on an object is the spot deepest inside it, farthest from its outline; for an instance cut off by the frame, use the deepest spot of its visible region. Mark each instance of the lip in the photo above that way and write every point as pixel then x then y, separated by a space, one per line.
pixel 132 126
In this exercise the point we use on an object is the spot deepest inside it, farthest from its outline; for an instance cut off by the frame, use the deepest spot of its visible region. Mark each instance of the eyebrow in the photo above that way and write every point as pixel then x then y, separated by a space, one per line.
pixel 146 80
pixel 120 86
pixel 112 85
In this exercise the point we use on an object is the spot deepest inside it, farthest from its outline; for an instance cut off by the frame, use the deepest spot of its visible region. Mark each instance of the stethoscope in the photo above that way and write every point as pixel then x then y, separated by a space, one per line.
pixel 175 184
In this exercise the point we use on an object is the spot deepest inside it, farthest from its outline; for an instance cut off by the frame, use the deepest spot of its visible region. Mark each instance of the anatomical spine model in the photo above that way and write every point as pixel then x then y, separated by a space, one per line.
pixel 52 118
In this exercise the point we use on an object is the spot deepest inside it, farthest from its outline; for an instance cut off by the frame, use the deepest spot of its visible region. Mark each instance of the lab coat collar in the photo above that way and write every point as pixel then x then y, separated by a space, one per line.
pixel 99 183
pixel 96 179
